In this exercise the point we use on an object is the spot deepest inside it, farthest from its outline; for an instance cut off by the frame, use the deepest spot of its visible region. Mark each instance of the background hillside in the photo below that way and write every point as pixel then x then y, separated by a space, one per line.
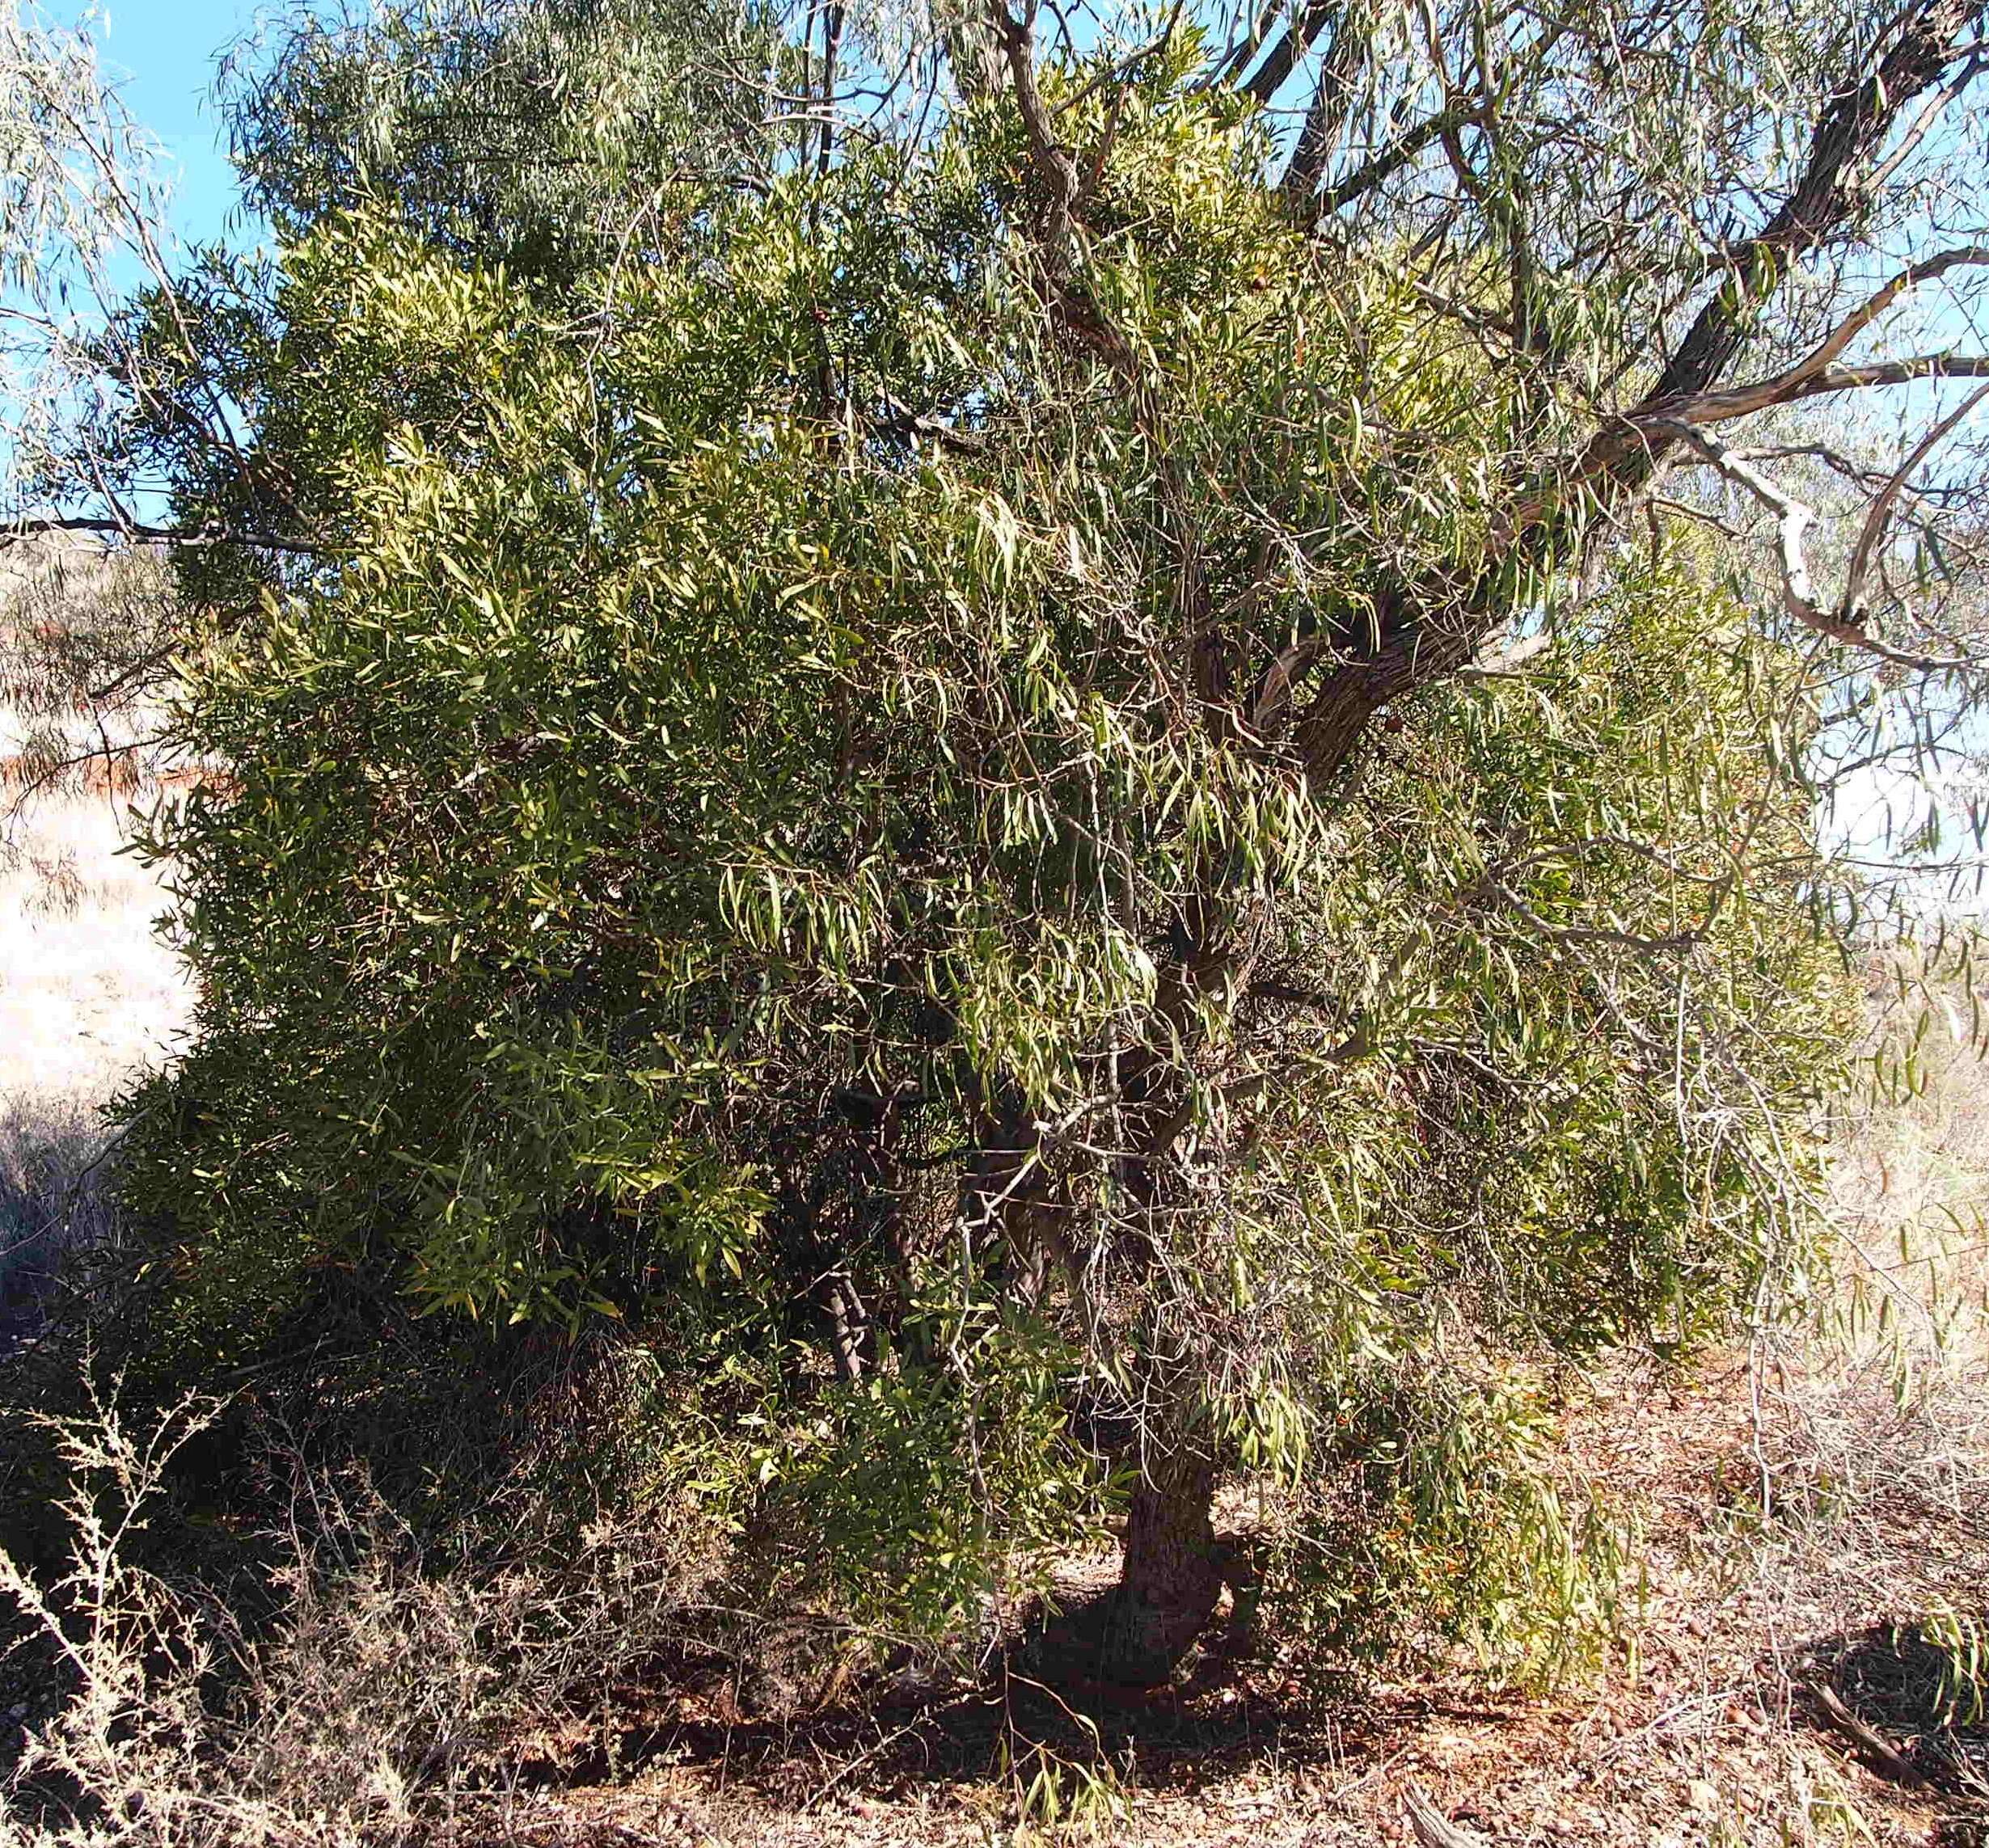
pixel 89 992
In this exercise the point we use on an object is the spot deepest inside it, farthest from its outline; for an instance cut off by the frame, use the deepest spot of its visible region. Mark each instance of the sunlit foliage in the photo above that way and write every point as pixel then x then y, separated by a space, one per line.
pixel 770 818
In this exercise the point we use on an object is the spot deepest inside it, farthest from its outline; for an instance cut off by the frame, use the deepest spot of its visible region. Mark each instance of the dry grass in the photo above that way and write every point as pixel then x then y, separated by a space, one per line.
pixel 52 1202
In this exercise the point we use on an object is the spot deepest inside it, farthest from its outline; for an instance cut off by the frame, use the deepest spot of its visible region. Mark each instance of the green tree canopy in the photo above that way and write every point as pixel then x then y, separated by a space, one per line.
pixel 1013 778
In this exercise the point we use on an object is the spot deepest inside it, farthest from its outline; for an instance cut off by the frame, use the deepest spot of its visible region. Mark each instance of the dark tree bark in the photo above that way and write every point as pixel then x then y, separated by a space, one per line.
pixel 1172 1573
pixel 1850 136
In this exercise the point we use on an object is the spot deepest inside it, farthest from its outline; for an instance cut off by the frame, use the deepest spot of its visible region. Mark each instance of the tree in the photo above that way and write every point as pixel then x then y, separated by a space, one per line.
pixel 1019 769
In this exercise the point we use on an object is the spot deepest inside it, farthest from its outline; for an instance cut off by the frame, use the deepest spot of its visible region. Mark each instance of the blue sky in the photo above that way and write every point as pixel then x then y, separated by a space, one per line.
pixel 162 53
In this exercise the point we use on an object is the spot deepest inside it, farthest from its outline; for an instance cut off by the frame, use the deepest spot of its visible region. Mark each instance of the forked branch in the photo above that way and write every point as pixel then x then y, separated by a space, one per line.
pixel 1792 521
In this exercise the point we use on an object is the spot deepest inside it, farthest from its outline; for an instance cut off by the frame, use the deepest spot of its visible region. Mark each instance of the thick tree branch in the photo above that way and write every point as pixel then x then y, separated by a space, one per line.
pixel 1791 387
pixel 1828 197
pixel 1328 114
pixel 1288 48
pixel 1054 163
pixel 1853 324
pixel 1818 372
pixel 1845 146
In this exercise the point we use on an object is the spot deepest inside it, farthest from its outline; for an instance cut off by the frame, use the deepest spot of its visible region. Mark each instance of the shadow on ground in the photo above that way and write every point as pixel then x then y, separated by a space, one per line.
pixel 1912 1706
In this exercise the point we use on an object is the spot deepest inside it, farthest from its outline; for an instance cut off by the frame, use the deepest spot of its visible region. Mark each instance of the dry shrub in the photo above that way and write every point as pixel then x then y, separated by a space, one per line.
pixel 381 1705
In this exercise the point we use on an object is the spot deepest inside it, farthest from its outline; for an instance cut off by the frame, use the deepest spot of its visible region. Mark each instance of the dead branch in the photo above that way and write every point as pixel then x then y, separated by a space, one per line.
pixel 1792 521
pixel 1879 1750
pixel 1431 1827
pixel 31 526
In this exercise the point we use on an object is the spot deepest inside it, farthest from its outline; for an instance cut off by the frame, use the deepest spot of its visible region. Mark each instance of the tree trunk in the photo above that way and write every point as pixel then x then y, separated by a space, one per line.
pixel 1172 1573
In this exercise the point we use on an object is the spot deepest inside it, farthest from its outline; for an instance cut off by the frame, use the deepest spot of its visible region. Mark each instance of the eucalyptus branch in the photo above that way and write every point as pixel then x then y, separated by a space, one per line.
pixel 1792 521
pixel 1793 387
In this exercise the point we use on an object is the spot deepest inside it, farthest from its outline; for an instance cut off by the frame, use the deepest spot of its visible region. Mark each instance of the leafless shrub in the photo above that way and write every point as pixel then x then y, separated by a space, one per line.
pixel 382 1704
pixel 116 1761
